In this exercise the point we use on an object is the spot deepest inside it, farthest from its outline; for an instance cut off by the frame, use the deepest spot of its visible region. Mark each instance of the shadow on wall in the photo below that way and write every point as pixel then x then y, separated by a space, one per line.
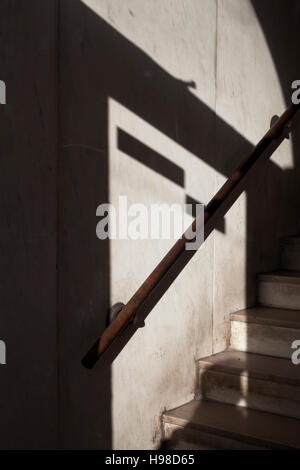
pixel 96 63
pixel 282 37
pixel 241 390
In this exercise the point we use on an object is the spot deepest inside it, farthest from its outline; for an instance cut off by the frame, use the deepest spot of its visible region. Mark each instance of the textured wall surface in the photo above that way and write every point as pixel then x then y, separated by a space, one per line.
pixel 197 83
pixel 28 156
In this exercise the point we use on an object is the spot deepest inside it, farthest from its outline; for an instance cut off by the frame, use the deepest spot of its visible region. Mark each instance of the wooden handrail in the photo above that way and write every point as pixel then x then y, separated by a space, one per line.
pixel 216 208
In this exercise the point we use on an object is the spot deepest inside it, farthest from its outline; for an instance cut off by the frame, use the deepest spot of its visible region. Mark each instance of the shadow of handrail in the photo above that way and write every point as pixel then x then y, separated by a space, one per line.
pixel 146 297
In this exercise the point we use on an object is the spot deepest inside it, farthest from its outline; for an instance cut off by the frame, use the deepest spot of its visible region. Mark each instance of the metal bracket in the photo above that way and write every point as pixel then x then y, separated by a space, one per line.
pixel 114 312
pixel 288 126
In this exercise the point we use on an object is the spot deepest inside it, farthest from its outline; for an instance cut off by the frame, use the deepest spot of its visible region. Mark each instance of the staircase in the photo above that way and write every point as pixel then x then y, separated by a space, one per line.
pixel 250 394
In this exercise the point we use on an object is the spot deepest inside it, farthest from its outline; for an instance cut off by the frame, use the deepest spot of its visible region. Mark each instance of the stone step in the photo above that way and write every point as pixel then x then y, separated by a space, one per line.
pixel 222 426
pixel 290 253
pixel 253 381
pixel 265 331
pixel 279 289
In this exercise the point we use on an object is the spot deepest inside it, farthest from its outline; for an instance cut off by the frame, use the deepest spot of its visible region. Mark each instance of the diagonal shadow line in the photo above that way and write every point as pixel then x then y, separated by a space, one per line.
pixel 112 66
pixel 152 89
pixel 142 153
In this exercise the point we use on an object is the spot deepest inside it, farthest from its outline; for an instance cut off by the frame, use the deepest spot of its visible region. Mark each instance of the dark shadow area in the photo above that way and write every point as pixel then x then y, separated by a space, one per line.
pixel 28 145
pixel 279 23
pixel 144 154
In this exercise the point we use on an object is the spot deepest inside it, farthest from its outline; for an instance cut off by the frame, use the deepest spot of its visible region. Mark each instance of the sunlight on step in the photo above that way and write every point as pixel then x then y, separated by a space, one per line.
pixel 239 336
pixel 244 388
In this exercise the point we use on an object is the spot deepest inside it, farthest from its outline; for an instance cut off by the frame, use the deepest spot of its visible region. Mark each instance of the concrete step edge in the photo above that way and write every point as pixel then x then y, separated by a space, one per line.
pixel 266 375
pixel 277 317
pixel 283 277
pixel 236 427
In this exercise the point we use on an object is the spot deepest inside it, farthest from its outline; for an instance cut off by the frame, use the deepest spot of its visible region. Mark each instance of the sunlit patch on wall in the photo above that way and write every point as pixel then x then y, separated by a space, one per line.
pixel 148 168
pixel 131 136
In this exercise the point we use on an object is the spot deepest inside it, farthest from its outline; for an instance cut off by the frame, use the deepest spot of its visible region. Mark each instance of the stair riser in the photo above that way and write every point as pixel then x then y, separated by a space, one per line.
pixel 252 393
pixel 263 339
pixel 279 294
pixel 290 256
pixel 204 440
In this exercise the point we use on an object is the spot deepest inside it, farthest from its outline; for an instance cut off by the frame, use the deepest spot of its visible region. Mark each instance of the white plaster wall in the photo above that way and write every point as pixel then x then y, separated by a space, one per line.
pixel 156 370
pixel 76 71
pixel 248 94
pixel 219 45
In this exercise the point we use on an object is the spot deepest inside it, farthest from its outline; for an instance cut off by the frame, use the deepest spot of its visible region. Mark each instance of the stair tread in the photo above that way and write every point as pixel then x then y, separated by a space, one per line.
pixel 254 365
pixel 184 445
pixel 255 427
pixel 281 317
pixel 281 276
